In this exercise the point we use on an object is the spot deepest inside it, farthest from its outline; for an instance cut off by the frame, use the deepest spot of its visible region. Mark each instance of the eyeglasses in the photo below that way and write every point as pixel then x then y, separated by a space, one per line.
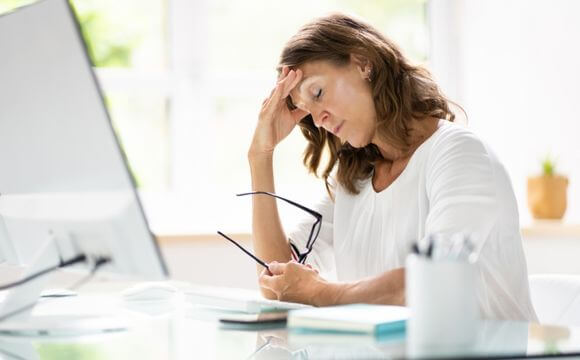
pixel 301 254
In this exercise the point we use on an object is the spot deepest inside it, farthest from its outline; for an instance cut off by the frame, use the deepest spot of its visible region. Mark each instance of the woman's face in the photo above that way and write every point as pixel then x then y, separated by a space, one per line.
pixel 339 99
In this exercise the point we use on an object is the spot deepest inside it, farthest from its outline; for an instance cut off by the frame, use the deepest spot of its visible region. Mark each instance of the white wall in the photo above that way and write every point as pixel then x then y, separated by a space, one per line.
pixel 211 262
pixel 515 66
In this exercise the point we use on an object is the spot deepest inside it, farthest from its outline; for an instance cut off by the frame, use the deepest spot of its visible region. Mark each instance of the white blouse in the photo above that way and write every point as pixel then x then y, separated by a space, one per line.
pixel 452 184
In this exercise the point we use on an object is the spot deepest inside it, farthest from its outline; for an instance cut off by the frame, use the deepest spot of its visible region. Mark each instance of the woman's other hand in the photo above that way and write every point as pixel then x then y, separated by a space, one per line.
pixel 276 121
pixel 299 283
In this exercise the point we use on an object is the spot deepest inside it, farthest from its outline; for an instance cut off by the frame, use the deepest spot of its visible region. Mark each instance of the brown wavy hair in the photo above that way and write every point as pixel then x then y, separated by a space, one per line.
pixel 401 92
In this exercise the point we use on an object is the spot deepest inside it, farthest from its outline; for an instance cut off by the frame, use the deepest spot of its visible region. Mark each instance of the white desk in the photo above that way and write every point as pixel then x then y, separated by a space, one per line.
pixel 182 331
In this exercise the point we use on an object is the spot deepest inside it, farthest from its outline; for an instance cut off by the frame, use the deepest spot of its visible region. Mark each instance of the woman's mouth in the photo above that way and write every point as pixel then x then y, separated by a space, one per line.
pixel 337 129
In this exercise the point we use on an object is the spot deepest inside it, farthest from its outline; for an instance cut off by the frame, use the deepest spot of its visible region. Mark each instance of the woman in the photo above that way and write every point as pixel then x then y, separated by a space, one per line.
pixel 404 171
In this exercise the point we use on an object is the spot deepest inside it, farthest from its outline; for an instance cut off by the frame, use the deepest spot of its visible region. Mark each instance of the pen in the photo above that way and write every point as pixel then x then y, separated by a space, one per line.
pixel 429 252
pixel 246 251
pixel 415 249
pixel 424 247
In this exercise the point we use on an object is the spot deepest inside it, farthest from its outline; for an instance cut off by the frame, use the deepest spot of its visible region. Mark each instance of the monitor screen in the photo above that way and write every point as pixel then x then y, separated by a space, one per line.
pixel 63 172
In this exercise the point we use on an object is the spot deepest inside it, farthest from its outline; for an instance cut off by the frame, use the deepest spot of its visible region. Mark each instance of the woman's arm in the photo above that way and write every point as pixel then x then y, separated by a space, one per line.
pixel 268 237
pixel 299 283
pixel 387 288
pixel 275 122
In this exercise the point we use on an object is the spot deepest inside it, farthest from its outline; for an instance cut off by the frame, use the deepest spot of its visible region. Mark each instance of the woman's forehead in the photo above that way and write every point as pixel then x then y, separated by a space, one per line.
pixel 315 67
pixel 313 72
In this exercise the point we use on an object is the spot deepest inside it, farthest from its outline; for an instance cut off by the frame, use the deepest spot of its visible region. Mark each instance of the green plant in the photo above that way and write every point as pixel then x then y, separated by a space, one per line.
pixel 548 166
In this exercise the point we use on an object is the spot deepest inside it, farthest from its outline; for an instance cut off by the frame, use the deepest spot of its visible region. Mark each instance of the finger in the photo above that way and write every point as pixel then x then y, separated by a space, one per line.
pixel 266 100
pixel 292 83
pixel 277 268
pixel 288 79
pixel 278 91
pixel 311 268
pixel 271 283
pixel 265 272
pixel 284 72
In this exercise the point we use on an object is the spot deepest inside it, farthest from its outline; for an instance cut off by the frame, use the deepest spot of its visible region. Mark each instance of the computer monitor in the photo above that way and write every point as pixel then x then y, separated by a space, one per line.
pixel 65 187
pixel 8 254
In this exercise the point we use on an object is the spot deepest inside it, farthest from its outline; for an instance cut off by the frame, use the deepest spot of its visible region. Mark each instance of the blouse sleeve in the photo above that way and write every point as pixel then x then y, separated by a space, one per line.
pixel 322 255
pixel 460 188
pixel 470 192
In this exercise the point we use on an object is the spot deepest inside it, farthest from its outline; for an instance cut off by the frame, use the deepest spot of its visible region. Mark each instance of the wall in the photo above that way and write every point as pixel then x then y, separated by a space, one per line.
pixel 210 260
pixel 513 65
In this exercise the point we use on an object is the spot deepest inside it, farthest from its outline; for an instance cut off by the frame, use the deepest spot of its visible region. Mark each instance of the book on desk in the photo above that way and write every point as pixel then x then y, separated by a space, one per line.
pixel 354 318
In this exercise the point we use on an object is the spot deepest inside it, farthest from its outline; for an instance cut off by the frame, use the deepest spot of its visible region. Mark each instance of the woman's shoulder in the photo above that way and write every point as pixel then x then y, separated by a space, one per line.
pixel 455 138
pixel 457 146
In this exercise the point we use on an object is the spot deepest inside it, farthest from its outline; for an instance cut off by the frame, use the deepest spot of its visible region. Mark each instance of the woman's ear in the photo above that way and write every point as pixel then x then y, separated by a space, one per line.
pixel 363 65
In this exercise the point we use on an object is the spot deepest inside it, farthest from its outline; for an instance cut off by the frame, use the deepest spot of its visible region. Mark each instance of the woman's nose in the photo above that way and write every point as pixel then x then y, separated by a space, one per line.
pixel 320 119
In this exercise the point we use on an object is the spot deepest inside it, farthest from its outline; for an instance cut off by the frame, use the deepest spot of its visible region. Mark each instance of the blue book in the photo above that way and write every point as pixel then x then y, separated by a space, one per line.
pixel 354 318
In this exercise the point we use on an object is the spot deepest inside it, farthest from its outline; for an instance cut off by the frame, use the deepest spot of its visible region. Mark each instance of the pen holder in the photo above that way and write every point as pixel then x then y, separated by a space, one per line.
pixel 442 298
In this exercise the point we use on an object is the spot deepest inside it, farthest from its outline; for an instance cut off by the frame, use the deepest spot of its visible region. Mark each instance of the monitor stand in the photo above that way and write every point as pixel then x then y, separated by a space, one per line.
pixel 16 317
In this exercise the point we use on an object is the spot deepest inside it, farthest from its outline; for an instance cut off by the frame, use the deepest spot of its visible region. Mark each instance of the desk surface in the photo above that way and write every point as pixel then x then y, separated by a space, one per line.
pixel 174 330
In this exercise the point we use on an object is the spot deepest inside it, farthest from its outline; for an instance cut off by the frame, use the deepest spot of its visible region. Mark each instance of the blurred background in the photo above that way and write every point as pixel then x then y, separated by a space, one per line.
pixel 184 81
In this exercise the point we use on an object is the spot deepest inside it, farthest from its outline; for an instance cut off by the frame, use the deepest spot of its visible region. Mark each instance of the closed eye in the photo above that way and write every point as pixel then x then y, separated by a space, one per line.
pixel 318 94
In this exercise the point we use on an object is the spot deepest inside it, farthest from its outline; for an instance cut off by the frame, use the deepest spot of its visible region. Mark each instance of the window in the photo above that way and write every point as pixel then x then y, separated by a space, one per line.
pixel 127 43
pixel 184 81
pixel 235 48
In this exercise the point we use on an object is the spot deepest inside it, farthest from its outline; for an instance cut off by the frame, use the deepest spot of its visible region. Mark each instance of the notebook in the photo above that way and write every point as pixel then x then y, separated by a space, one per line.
pixel 355 318
pixel 232 299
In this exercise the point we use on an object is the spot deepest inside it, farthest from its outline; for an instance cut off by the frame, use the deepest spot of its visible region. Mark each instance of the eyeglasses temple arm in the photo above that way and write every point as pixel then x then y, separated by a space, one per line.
pixel 244 250
pixel 310 211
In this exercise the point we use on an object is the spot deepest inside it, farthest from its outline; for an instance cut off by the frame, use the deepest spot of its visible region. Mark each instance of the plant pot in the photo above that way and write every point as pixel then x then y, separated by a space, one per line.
pixel 547 196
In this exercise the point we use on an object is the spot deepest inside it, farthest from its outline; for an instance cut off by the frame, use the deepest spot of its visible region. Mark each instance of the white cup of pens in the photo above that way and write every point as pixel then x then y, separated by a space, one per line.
pixel 441 276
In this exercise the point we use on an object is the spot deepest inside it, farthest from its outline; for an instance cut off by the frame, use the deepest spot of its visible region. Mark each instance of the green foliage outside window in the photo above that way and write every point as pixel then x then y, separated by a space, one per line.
pixel 109 44
pixel 113 30
pixel 50 351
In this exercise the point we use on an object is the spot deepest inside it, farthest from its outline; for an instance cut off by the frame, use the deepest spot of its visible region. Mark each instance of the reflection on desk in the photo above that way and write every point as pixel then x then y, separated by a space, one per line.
pixel 193 332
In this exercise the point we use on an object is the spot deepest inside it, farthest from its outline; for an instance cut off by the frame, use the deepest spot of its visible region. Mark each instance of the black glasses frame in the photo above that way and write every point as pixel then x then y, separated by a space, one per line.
pixel 314 231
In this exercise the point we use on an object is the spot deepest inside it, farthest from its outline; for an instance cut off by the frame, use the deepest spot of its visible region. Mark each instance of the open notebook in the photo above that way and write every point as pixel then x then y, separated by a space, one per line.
pixel 235 299
pixel 220 298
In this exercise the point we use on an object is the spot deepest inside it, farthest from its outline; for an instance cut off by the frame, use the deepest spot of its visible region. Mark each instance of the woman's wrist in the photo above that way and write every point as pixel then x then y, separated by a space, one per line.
pixel 329 293
pixel 258 153
pixel 258 156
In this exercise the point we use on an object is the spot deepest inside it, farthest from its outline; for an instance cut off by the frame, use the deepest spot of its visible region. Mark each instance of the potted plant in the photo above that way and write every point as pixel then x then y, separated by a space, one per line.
pixel 547 192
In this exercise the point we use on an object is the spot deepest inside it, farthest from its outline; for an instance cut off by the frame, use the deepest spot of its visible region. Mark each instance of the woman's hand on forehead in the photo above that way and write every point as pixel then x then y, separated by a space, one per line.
pixel 291 78
pixel 276 120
